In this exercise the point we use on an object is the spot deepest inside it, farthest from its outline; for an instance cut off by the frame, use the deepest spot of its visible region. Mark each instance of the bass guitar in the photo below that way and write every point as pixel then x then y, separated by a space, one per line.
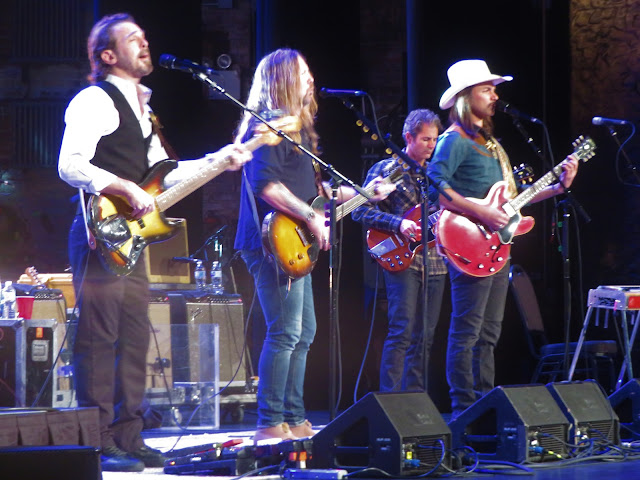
pixel 121 239
pixel 290 242
pixel 394 252
pixel 471 246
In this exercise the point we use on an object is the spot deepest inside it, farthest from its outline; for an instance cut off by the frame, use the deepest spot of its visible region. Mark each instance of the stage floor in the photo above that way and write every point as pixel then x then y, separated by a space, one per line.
pixel 170 438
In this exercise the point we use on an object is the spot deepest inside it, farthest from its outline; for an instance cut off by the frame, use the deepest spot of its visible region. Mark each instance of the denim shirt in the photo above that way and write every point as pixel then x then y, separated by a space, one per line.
pixel 463 165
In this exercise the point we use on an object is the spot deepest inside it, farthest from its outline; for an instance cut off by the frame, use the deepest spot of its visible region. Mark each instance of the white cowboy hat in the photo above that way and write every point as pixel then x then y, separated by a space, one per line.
pixel 467 73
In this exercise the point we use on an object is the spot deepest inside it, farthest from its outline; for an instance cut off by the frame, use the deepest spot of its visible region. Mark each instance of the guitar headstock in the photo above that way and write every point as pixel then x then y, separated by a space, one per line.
pixel 32 273
pixel 523 174
pixel 584 148
pixel 287 124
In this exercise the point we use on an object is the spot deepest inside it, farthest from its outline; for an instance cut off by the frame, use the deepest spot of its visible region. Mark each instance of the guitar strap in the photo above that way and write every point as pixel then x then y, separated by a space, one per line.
pixel 157 129
pixel 91 240
pixel 254 210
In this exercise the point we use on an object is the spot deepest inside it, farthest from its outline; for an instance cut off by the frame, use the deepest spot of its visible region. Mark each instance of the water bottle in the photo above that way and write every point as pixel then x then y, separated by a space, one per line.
pixel 9 300
pixel 200 274
pixel 216 278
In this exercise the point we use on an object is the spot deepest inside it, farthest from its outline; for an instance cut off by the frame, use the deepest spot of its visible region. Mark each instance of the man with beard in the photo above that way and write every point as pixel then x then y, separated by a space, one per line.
pixel 108 146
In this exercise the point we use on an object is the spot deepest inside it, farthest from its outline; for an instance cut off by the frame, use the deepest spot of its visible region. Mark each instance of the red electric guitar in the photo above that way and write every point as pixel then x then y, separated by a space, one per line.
pixel 476 250
pixel 395 253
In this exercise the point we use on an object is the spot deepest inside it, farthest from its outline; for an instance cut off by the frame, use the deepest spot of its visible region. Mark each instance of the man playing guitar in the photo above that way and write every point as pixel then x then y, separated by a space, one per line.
pixel 467 162
pixel 405 355
pixel 107 147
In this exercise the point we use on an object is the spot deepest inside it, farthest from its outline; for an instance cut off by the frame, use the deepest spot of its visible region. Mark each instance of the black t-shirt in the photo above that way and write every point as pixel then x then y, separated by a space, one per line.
pixel 279 163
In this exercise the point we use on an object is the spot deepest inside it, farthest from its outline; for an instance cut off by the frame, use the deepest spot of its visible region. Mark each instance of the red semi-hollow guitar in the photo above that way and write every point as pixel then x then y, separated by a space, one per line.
pixel 476 250
pixel 394 252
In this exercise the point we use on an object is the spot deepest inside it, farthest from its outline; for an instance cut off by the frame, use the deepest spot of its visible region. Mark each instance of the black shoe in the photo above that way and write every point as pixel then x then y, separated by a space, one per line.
pixel 113 459
pixel 151 457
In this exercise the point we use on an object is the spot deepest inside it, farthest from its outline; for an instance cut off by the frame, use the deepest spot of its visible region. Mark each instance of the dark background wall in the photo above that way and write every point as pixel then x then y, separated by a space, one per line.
pixel 570 61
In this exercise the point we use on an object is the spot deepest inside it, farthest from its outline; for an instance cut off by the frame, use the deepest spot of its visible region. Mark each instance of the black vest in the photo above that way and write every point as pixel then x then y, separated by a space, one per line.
pixel 123 152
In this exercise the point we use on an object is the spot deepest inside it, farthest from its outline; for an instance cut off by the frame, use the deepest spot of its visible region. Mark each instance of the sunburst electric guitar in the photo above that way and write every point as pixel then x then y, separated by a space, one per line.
pixel 121 239
pixel 476 250
pixel 292 245
pixel 394 252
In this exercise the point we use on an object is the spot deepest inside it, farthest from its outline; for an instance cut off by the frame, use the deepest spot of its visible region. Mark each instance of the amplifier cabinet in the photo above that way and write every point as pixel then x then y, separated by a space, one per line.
pixel 227 312
pixel 183 327
pixel 158 257
pixel 159 361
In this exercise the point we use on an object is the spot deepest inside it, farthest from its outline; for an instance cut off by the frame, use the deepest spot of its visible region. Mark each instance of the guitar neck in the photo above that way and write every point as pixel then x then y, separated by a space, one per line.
pixel 173 195
pixel 350 205
pixel 530 193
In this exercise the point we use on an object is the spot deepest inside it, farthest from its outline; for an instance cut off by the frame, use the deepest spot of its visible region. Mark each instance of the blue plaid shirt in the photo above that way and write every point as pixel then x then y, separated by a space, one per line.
pixel 387 214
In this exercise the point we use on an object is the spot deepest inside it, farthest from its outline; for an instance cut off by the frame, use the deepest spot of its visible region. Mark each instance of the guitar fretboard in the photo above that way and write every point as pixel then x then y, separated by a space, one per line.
pixel 176 193
pixel 350 205
pixel 542 183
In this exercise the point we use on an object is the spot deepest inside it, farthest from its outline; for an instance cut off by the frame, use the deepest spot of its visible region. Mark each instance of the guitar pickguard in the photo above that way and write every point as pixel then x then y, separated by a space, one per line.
pixel 113 231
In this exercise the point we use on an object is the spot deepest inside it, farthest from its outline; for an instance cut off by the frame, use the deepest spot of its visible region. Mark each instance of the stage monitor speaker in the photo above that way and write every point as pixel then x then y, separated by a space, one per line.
pixel 588 410
pixel 515 424
pixel 399 433
pixel 626 404
pixel 158 257
pixel 51 462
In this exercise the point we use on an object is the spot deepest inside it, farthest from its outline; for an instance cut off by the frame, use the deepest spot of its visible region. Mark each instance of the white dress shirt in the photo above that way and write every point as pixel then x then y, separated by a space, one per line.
pixel 91 115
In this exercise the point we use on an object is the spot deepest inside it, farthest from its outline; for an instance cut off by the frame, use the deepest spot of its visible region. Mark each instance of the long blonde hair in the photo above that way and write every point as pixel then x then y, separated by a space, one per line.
pixel 461 113
pixel 276 86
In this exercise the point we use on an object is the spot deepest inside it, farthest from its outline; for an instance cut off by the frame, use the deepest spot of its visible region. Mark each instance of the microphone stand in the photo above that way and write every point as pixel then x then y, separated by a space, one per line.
pixel 424 212
pixel 564 240
pixel 614 136
pixel 338 179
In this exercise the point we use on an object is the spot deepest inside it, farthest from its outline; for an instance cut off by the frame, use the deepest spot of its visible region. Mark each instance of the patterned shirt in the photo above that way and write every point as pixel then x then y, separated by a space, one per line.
pixel 387 214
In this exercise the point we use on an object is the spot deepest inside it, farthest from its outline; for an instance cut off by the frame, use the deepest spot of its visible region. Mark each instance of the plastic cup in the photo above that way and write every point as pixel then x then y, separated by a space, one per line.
pixel 25 307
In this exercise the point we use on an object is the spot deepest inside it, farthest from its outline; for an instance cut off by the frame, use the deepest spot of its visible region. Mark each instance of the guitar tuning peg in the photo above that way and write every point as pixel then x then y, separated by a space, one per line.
pixel 388 152
pixel 359 123
pixel 365 129
pixel 374 137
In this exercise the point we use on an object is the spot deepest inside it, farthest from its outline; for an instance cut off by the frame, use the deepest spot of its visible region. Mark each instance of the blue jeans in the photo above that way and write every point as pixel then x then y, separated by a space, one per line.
pixel 405 355
pixel 291 326
pixel 476 322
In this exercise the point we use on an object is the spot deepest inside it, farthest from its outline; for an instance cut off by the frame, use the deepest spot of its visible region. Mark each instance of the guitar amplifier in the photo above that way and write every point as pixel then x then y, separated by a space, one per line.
pixel 185 324
pixel 158 258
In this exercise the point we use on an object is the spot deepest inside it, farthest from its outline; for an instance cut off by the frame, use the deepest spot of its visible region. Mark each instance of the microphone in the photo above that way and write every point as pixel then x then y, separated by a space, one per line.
pixel 170 62
pixel 330 92
pixel 184 260
pixel 608 121
pixel 509 110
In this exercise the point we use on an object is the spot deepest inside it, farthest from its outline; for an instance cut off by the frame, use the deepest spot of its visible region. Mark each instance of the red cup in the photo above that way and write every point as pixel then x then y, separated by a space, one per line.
pixel 25 307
